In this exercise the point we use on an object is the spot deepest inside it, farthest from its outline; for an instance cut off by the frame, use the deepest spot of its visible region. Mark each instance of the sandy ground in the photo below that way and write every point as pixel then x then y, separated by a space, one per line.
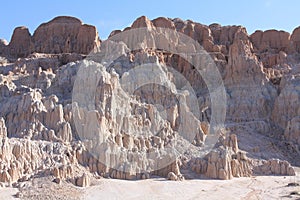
pixel 8 193
pixel 259 187
pixel 263 187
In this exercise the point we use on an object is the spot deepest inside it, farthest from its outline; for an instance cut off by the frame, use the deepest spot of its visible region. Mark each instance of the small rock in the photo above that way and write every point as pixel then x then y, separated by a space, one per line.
pixel 83 181
pixel 172 176
pixel 293 184
pixel 295 193
pixel 57 180
pixel 19 195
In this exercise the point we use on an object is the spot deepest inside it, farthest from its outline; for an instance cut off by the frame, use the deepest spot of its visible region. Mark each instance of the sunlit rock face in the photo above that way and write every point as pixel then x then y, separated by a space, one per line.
pixel 60 35
pixel 132 107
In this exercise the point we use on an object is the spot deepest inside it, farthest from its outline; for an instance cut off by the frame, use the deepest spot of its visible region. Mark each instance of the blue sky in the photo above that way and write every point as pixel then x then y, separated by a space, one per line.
pixel 117 14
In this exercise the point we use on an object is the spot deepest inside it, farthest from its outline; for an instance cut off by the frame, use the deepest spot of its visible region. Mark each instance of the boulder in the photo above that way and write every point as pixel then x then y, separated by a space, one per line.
pixel 172 176
pixel 83 181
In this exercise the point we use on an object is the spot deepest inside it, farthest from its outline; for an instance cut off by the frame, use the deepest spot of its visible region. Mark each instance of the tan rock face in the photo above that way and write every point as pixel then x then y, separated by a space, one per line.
pixel 83 181
pixel 225 162
pixel 65 35
pixel 295 38
pixel 275 167
pixel 142 21
pixel 21 43
pixel 22 158
pixel 3 46
pixel 45 128
pixel 60 35
pixel 271 46
pixel 3 131
pixel 292 132
pixel 271 40
pixel 286 106
pixel 172 176
pixel 124 145
pixel 214 39
pixel 250 91
pixel 7 87
pixel 163 23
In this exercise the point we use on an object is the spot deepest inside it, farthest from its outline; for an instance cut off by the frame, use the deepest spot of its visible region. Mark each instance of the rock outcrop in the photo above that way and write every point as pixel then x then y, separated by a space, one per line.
pixel 3 131
pixel 75 119
pixel 292 132
pixel 3 46
pixel 225 162
pixel 287 104
pixel 271 40
pixel 21 43
pixel 65 35
pixel 295 38
pixel 60 35
pixel 83 181
pixel 275 167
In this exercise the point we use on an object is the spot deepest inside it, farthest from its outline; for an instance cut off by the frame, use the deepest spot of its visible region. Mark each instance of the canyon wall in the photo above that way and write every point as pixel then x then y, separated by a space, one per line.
pixel 48 124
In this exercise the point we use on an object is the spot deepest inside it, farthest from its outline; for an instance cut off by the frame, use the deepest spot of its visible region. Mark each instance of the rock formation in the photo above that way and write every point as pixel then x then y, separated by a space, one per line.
pixel 74 119
pixel 3 131
pixel 60 35
pixel 65 35
pixel 225 162
pixel 275 167
pixel 21 43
